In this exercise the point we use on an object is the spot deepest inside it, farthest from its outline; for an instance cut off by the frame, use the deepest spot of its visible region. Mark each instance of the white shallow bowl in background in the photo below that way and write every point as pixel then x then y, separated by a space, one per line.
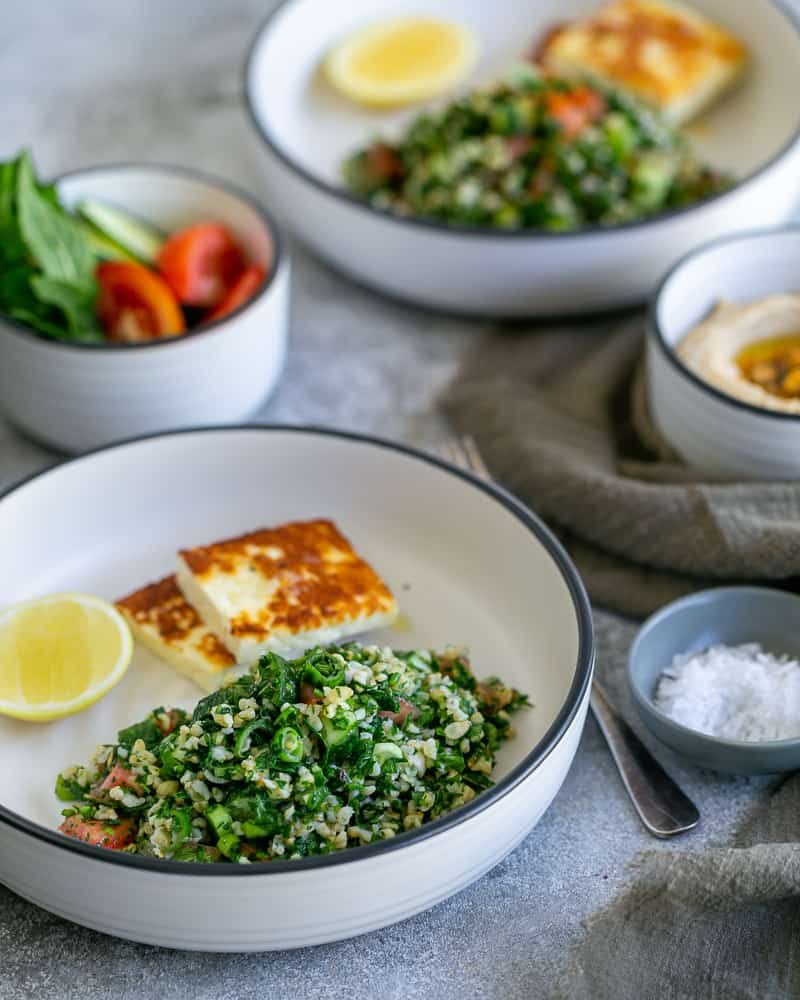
pixel 468 564
pixel 79 396
pixel 708 428
pixel 303 132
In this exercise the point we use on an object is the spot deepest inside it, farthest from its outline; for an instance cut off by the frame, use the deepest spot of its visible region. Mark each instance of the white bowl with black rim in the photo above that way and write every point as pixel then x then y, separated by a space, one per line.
pixel 468 564
pixel 303 132
pixel 708 428
pixel 74 396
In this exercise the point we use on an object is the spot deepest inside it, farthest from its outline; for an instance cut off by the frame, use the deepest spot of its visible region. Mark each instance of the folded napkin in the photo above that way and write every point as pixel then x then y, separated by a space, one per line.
pixel 721 924
pixel 561 419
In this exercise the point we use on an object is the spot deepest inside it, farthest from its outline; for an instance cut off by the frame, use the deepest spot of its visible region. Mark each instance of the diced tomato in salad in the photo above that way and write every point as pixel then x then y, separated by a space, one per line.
pixel 170 722
pixel 400 716
pixel 383 163
pixel 519 145
pixel 573 110
pixel 307 694
pixel 119 777
pixel 100 833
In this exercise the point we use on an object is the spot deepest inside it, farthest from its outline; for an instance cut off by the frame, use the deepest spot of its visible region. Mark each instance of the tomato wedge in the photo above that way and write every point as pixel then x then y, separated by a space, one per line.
pixel 100 832
pixel 201 264
pixel 135 304
pixel 243 289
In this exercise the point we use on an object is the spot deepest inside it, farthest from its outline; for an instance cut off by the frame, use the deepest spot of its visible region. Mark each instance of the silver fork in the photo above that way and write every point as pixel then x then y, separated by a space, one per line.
pixel 663 808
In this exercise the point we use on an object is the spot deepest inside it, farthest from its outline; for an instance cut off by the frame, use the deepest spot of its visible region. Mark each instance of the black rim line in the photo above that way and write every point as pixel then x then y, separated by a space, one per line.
pixel 656 333
pixel 432 225
pixel 757 747
pixel 545 746
pixel 278 259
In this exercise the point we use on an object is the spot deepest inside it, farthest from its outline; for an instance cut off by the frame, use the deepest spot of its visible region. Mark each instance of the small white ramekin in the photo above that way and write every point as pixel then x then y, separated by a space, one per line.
pixel 709 429
pixel 79 396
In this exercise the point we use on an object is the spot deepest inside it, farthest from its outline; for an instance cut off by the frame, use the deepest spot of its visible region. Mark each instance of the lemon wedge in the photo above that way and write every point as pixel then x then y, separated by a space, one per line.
pixel 401 61
pixel 60 654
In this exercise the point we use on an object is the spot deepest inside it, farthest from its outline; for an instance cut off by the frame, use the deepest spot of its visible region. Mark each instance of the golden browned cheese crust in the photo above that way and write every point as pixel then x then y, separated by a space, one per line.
pixel 162 608
pixel 316 578
pixel 659 51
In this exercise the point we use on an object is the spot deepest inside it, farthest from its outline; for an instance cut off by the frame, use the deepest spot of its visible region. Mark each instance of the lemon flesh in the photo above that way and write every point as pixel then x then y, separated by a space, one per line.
pixel 60 654
pixel 401 61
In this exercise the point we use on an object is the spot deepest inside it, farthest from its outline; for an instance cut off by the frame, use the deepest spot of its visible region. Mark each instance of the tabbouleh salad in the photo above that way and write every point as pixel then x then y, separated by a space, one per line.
pixel 344 746
pixel 536 152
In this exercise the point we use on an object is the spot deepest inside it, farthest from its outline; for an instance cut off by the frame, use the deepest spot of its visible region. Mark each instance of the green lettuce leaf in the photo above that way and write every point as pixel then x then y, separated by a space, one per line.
pixel 52 236
pixel 76 303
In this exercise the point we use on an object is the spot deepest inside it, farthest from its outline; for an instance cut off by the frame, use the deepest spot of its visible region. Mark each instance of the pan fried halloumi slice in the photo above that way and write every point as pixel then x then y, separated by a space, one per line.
pixel 284 589
pixel 664 52
pixel 163 621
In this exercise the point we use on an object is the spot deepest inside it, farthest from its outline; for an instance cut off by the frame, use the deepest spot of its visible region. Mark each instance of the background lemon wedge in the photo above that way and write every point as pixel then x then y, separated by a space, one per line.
pixel 59 655
pixel 401 61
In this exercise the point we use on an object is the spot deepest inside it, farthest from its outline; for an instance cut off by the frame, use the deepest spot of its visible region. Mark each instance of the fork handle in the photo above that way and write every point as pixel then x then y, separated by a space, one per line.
pixel 663 808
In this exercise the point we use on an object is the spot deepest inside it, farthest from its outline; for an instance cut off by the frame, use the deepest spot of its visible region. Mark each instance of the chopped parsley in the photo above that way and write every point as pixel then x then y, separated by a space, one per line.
pixel 534 153
pixel 344 746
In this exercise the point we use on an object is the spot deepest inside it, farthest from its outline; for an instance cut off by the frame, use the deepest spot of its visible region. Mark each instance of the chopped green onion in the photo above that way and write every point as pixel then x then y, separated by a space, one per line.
pixel 228 844
pixel 324 669
pixel 254 831
pixel 220 819
pixel 244 737
pixel 288 745
pixel 69 790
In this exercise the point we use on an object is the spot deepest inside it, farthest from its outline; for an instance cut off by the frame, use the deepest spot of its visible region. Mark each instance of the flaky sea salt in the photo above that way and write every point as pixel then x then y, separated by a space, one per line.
pixel 734 692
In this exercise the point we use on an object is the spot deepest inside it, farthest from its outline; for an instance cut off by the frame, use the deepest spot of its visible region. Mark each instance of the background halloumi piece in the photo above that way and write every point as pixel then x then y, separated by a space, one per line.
pixel 162 620
pixel 666 53
pixel 284 589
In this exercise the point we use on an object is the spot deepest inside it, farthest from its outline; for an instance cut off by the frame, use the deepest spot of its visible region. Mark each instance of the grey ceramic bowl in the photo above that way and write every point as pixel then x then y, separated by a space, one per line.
pixel 729 615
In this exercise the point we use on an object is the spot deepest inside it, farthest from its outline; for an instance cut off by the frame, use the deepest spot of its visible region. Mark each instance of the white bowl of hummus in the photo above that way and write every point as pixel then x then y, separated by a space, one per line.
pixel 723 356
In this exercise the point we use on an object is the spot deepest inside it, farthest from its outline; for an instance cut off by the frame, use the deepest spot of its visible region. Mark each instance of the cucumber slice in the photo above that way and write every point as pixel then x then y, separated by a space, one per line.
pixel 132 235
pixel 101 246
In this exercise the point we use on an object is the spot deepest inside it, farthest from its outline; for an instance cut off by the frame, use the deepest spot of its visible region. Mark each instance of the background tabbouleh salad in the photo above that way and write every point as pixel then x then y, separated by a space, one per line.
pixel 341 747
pixel 536 152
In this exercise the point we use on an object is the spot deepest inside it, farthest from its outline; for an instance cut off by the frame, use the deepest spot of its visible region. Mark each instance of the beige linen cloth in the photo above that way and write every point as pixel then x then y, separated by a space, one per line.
pixel 561 419
pixel 719 924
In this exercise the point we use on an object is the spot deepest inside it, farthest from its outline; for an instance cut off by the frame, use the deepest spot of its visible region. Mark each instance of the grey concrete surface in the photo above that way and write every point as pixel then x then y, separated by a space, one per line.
pixel 89 82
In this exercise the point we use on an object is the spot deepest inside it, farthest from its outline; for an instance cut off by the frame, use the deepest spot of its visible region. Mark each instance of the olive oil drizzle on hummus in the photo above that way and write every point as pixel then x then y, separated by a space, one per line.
pixel 773 364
